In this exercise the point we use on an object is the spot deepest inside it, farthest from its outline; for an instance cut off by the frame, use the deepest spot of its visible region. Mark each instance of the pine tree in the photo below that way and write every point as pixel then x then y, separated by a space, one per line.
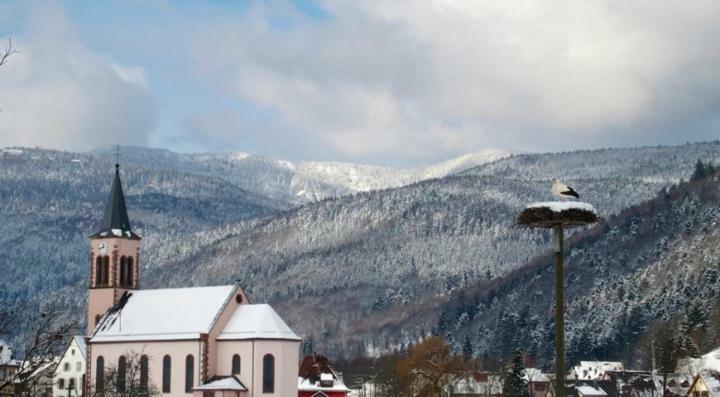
pixel 514 384
pixel 467 348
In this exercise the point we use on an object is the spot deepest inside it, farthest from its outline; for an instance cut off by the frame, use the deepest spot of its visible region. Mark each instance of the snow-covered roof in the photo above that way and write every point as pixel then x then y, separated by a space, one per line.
pixel 256 322
pixel 164 314
pixel 585 390
pixel 713 384
pixel 560 206
pixel 80 341
pixel 535 375
pixel 222 383
pixel 596 369
pixel 711 361
pixel 305 384
pixel 5 353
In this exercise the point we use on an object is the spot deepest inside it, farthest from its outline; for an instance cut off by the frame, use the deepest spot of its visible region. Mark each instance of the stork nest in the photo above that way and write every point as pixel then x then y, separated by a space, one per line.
pixel 547 218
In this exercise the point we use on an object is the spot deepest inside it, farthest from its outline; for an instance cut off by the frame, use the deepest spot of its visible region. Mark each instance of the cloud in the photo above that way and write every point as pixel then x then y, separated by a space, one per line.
pixel 418 80
pixel 57 93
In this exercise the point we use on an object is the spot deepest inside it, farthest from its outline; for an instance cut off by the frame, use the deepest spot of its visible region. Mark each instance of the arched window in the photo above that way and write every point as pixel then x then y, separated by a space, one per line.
pixel 236 364
pixel 100 374
pixel 189 373
pixel 143 374
pixel 129 272
pixel 98 270
pixel 123 270
pixel 167 367
pixel 121 374
pixel 268 373
pixel 106 270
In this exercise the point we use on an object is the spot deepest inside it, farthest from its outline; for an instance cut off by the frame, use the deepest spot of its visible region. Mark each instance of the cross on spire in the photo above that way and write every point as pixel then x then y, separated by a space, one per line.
pixel 117 156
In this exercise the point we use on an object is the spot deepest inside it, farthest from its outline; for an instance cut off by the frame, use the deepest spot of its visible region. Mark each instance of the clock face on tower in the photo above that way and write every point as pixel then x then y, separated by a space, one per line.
pixel 102 247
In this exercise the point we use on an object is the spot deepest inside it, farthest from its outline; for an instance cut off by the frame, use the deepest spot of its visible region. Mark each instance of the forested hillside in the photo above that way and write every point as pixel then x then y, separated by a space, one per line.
pixel 640 283
pixel 51 201
pixel 377 266
pixel 362 272
pixel 295 183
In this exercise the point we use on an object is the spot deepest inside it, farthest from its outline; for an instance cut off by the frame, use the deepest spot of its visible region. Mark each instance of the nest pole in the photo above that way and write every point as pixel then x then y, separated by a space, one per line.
pixel 547 217
pixel 559 314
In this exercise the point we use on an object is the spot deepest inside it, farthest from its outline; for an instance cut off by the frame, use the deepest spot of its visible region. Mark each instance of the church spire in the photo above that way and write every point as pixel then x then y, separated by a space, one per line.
pixel 116 221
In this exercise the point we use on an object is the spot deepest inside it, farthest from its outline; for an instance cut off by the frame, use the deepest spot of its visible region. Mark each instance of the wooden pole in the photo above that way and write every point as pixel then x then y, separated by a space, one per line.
pixel 559 314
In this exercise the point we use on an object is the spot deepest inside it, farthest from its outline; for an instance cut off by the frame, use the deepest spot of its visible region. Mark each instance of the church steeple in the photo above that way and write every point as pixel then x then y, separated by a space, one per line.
pixel 116 221
pixel 114 256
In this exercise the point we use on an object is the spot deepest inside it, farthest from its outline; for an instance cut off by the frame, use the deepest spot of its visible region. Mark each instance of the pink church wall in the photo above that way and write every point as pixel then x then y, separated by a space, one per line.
pixel 286 366
pixel 155 351
pixel 226 350
pixel 251 362
pixel 218 327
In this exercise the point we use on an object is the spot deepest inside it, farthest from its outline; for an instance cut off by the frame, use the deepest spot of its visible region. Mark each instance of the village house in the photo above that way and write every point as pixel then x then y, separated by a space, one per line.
pixel 69 375
pixel 705 385
pixel 317 378
pixel 202 341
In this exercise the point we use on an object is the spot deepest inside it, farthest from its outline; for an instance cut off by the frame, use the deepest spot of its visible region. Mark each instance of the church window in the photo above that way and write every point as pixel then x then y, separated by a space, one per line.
pixel 143 374
pixel 61 383
pixel 236 364
pixel 121 374
pixel 129 272
pixel 98 271
pixel 189 372
pixel 100 374
pixel 268 373
pixel 123 270
pixel 71 383
pixel 66 367
pixel 167 366
pixel 106 270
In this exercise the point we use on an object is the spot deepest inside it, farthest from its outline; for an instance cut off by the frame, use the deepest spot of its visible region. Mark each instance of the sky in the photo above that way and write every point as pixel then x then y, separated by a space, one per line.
pixel 398 82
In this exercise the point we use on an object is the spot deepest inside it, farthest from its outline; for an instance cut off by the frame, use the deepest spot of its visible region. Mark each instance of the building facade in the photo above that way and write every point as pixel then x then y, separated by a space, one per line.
pixel 69 375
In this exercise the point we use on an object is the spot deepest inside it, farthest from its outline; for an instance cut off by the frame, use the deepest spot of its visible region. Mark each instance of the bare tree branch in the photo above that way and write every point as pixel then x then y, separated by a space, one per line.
pixel 8 51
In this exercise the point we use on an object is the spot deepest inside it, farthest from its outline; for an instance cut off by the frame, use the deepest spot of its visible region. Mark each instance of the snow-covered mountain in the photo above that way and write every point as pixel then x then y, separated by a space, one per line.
pixel 300 182
pixel 377 267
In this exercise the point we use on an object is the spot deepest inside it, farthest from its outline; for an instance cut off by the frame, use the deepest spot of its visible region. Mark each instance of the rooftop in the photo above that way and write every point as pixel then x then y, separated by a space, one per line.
pixel 256 322
pixel 163 314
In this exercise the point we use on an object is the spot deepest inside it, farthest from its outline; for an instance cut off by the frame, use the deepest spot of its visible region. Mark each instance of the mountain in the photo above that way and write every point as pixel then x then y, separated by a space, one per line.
pixel 295 183
pixel 654 265
pixel 374 269
pixel 361 272
pixel 50 201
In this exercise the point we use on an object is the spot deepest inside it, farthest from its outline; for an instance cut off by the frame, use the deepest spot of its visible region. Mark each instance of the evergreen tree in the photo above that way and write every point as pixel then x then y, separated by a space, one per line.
pixel 514 384
pixel 308 347
pixel 467 348
pixel 702 170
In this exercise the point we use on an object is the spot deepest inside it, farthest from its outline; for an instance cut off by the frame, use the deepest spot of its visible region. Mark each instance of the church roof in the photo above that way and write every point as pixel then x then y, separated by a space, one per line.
pixel 116 221
pixel 222 383
pixel 256 322
pixel 163 314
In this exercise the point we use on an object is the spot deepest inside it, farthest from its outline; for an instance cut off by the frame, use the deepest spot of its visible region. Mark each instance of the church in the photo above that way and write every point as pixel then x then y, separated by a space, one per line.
pixel 200 341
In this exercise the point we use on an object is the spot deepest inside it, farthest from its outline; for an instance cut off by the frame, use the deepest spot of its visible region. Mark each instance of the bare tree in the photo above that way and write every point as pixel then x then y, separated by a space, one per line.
pixel 8 51
pixel 130 379
pixel 48 338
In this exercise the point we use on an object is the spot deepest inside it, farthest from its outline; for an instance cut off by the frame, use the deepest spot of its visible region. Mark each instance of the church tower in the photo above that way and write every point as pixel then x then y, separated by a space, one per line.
pixel 114 257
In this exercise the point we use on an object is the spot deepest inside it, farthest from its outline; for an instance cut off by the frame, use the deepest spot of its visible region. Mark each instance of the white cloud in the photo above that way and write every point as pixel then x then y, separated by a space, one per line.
pixel 57 93
pixel 427 78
